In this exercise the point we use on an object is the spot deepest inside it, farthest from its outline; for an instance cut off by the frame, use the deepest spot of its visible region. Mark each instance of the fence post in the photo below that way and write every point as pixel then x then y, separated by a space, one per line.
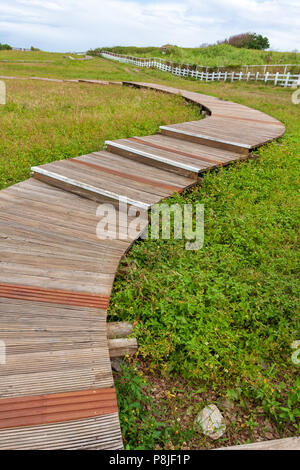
pixel 278 78
pixel 2 96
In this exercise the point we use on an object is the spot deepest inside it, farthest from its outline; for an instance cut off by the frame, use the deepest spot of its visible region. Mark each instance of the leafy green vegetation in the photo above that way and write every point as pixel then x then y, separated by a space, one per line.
pixel 224 317
pixel 212 325
pixel 55 65
pixel 5 47
pixel 143 422
pixel 248 41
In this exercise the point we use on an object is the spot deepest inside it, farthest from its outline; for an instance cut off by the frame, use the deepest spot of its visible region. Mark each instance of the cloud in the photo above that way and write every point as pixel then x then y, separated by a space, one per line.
pixel 66 25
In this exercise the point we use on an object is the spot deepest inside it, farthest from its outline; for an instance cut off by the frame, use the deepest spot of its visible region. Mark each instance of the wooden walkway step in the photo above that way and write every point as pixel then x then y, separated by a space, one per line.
pixel 186 158
pixel 56 276
pixel 224 133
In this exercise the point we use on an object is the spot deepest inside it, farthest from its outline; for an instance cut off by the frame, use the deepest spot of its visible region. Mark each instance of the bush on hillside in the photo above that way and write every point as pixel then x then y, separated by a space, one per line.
pixel 249 41
pixel 257 41
pixel 124 50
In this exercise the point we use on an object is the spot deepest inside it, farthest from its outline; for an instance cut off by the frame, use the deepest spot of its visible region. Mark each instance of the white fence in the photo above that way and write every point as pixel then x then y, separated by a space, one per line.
pixel 283 79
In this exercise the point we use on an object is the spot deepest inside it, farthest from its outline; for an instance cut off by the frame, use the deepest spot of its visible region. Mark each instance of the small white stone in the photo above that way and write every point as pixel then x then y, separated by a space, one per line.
pixel 211 421
pixel 116 364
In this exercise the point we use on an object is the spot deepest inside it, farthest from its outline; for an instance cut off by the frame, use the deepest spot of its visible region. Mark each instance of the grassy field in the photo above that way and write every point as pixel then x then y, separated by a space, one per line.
pixel 216 325
pixel 213 56
pixel 46 64
pixel 222 319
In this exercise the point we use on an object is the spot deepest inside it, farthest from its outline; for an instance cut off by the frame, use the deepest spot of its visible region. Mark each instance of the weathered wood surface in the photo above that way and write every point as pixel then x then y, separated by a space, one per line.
pixel 56 274
pixel 119 342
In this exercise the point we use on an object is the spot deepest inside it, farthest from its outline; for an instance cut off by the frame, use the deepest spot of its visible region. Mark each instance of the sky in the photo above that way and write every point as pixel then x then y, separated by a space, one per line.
pixel 77 25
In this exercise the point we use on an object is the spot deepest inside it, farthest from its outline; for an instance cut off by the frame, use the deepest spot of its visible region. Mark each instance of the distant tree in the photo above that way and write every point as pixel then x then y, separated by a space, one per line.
pixel 257 41
pixel 97 51
pixel 5 47
pixel 34 48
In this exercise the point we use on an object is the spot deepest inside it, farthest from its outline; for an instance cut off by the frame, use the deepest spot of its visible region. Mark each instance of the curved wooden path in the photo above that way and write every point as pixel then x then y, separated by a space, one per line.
pixel 56 388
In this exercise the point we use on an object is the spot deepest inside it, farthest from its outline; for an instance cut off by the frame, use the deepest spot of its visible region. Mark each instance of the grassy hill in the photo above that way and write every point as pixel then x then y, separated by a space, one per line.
pixel 57 65
pixel 217 55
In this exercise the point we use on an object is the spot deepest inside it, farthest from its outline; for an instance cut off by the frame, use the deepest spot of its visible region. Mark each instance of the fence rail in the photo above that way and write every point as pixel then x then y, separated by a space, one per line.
pixel 285 79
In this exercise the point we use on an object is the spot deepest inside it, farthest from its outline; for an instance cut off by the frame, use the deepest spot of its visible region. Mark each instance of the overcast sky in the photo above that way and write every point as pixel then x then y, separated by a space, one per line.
pixel 77 25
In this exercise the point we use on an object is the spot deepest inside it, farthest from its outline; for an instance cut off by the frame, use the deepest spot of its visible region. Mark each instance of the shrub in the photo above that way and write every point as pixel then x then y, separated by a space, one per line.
pixel 257 41
pixel 248 41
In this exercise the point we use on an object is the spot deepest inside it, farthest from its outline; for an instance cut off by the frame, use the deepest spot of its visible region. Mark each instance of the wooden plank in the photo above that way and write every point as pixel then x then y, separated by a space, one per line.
pixel 102 432
pixel 56 275
pixel 83 189
pixel 196 150
pixel 152 156
pixel 200 138
pixel 167 149
pixel 14 291
pixel 119 329
pixel 140 179
pixel 114 161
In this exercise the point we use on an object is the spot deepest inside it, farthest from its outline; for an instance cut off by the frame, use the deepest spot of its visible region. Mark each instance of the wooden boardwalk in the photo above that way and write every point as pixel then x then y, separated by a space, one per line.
pixel 56 388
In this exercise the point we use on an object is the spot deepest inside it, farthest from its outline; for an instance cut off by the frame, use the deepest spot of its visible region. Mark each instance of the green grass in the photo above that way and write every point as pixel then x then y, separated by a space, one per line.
pixel 33 56
pixel 213 324
pixel 43 121
pixel 224 318
pixel 213 56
